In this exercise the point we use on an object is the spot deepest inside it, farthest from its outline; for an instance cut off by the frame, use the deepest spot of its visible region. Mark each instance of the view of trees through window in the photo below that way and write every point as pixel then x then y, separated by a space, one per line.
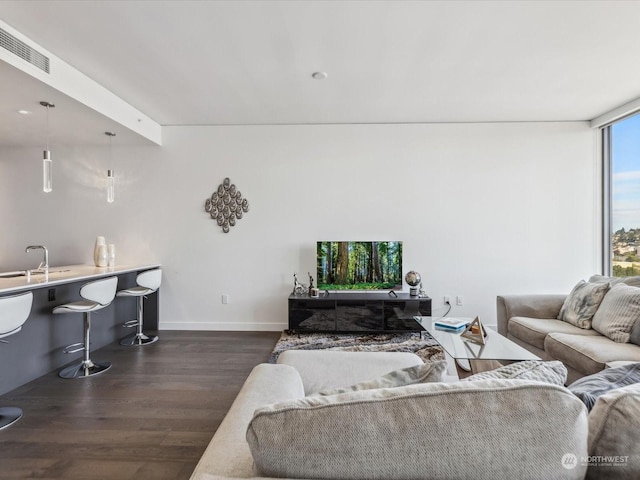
pixel 625 197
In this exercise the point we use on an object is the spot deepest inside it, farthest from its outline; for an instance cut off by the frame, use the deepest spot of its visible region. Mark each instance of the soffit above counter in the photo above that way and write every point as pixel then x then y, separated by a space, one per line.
pixel 84 109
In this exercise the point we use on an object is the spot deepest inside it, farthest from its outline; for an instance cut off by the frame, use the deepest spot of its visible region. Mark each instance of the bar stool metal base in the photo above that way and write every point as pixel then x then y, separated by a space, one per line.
pixel 138 339
pixel 9 416
pixel 84 369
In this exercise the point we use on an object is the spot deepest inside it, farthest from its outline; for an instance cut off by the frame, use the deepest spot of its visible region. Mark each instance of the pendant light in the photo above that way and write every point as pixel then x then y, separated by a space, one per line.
pixel 110 178
pixel 47 166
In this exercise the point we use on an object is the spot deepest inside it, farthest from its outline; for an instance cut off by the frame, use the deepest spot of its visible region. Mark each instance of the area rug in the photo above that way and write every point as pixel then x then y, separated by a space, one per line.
pixel 425 347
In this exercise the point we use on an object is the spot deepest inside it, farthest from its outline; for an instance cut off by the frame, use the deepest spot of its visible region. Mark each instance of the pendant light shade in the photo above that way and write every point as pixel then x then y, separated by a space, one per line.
pixel 47 166
pixel 110 186
pixel 110 178
pixel 47 184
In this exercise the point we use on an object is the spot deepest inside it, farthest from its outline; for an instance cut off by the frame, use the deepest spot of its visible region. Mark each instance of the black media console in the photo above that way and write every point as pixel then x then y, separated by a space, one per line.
pixel 348 312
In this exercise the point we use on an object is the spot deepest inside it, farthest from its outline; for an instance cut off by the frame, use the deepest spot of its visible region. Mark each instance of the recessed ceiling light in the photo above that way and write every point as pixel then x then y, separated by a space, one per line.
pixel 319 75
pixel 24 112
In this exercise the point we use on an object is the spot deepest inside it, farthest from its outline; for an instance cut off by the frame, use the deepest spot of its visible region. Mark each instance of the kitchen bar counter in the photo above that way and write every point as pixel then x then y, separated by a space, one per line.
pixel 38 348
pixel 65 274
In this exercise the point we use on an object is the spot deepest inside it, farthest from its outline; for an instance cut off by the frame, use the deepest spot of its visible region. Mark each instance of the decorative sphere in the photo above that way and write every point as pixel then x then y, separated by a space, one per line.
pixel 412 278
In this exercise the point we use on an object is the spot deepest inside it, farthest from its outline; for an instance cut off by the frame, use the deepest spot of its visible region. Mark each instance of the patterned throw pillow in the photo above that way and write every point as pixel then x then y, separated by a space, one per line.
pixel 582 303
pixel 553 372
pixel 618 311
pixel 426 372
pixel 588 389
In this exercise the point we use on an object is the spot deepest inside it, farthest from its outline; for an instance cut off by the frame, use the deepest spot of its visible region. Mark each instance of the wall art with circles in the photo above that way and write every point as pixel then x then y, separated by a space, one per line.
pixel 226 205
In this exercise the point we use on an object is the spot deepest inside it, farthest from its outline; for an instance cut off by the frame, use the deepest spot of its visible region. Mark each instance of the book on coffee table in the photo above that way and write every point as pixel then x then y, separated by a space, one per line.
pixel 453 324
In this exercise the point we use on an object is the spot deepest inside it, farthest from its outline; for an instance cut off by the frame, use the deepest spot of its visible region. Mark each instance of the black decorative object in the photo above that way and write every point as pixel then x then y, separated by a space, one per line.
pixel 226 205
pixel 313 291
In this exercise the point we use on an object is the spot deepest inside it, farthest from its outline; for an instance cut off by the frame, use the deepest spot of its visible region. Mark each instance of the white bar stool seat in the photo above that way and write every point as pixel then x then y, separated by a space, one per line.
pixel 148 282
pixel 14 311
pixel 97 295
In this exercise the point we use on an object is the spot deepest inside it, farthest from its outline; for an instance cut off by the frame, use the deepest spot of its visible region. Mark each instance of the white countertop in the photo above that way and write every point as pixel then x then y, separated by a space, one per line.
pixel 66 274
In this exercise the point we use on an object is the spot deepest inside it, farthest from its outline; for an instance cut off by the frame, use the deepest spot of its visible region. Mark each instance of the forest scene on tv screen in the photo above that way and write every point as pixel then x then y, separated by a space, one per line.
pixel 359 265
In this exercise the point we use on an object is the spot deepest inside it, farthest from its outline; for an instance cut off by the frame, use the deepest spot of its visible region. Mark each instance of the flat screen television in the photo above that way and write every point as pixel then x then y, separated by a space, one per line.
pixel 359 265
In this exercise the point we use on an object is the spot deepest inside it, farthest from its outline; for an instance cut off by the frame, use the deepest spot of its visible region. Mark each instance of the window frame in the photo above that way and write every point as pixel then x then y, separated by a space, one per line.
pixel 607 200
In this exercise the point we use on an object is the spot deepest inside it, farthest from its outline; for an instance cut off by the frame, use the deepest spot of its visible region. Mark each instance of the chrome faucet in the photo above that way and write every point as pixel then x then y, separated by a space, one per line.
pixel 44 265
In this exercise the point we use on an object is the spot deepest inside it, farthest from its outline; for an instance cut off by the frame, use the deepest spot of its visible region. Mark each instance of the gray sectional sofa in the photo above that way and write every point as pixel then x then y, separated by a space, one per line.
pixel 462 430
pixel 532 322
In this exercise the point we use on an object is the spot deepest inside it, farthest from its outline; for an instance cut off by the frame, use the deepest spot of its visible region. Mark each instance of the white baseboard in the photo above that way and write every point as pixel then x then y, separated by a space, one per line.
pixel 224 326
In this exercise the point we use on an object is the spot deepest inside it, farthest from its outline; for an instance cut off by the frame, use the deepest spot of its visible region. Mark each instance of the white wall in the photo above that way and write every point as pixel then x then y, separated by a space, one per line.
pixel 482 209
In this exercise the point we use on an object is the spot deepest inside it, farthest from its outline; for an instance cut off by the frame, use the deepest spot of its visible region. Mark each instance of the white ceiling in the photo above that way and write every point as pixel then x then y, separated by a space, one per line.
pixel 250 62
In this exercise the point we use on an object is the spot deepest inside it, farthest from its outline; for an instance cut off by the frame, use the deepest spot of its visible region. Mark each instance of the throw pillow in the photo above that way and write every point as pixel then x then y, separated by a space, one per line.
pixel 632 281
pixel 553 372
pixel 581 304
pixel 618 311
pixel 614 423
pixel 424 373
pixel 588 389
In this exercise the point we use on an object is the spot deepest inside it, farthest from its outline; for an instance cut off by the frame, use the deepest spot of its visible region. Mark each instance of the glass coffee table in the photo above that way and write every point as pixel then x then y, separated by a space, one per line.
pixel 480 357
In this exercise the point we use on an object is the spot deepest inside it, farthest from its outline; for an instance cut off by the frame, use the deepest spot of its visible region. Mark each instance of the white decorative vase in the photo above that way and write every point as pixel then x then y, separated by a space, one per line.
pixel 100 241
pixel 111 255
pixel 102 256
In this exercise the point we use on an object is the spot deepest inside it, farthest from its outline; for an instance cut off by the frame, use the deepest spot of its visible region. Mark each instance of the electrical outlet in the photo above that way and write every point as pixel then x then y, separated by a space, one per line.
pixel 447 299
pixel 225 298
pixel 459 300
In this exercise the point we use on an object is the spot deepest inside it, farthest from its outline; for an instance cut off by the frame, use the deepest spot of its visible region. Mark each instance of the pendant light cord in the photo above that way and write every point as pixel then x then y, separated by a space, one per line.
pixel 110 135
pixel 48 106
pixel 47 135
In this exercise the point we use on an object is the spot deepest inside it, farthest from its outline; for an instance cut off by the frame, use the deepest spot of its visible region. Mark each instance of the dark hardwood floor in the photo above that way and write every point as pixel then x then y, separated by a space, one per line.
pixel 149 417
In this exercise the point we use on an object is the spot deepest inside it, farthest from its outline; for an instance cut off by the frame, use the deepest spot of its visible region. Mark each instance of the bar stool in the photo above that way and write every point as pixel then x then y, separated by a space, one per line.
pixel 148 282
pixel 97 295
pixel 14 311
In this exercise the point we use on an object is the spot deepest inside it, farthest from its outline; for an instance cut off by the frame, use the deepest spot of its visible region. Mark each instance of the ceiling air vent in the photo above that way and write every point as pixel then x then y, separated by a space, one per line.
pixel 24 51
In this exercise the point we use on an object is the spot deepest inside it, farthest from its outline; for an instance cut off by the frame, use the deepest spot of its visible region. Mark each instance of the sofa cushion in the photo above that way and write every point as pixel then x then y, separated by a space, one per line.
pixel 427 372
pixel 534 330
pixel 614 423
pixel 617 313
pixel 443 430
pixel 324 369
pixel 581 304
pixel 553 372
pixel 588 354
pixel 589 388
pixel 619 363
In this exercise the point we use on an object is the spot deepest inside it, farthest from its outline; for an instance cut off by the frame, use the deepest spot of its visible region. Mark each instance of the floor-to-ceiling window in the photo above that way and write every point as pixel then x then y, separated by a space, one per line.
pixel 622 196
